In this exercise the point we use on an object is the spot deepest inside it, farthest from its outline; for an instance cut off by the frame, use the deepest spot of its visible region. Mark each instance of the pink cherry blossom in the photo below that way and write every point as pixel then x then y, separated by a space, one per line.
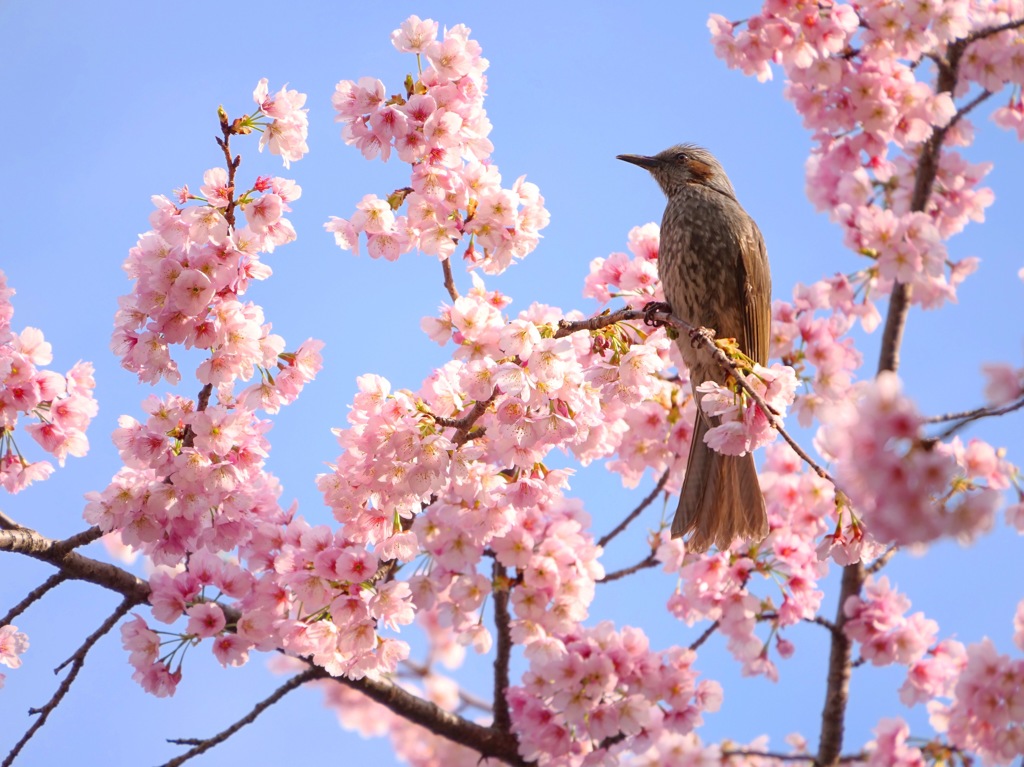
pixel 13 644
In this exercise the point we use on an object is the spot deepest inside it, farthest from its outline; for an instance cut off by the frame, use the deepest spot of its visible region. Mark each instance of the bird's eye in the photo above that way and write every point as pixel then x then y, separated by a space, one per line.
pixel 681 157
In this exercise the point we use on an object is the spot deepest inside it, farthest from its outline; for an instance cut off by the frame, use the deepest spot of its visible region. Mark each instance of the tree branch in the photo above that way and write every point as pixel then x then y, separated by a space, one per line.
pixel 787 757
pixel 603 542
pixel 6 523
pixel 705 636
pixel 707 340
pixel 643 564
pixel 837 694
pixel 883 560
pixel 463 426
pixel 77 660
pixel 449 279
pixel 969 416
pixel 487 740
pixel 728 752
pixel 83 538
pixel 468 699
pixel 502 619
pixel 206 744
pixel 73 565
pixel 33 596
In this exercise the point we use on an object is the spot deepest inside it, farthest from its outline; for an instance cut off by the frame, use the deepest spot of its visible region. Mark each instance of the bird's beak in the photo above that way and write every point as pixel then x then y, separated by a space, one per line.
pixel 649 163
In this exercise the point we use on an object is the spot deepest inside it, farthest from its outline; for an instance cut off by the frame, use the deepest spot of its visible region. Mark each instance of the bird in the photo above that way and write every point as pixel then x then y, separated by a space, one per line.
pixel 714 270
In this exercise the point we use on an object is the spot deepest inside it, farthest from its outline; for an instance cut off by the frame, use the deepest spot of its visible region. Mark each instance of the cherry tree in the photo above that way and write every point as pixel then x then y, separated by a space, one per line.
pixel 453 523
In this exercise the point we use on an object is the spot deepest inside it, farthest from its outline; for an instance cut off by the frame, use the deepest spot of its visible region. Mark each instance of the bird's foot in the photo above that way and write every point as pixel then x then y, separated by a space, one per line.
pixel 655 307
pixel 699 336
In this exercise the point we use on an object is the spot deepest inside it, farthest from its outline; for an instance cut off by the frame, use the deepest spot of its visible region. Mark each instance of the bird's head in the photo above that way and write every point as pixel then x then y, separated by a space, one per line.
pixel 681 166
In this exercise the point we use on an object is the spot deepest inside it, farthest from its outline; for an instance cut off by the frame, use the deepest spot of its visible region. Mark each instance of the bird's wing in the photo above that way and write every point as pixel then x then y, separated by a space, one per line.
pixel 757 292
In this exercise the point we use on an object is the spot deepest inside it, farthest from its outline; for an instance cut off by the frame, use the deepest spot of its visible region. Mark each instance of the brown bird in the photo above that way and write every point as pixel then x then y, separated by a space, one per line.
pixel 714 270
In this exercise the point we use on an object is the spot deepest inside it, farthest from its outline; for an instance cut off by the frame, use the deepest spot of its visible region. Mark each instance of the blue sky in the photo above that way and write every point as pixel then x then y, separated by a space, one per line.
pixel 110 103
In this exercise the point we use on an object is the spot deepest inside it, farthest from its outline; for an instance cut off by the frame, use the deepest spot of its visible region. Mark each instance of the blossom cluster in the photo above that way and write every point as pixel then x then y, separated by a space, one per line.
pixel 908 488
pixel 194 488
pixel 818 347
pixel 986 715
pixel 61 406
pixel 852 74
pixel 440 128
pixel 742 426
pixel 405 486
pixel 192 267
pixel 285 134
pixel 875 618
pixel 600 685
pixel 720 587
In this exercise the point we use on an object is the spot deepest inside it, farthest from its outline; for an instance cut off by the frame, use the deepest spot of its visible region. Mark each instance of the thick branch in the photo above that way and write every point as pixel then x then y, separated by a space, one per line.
pixel 206 744
pixel 840 662
pixel 833 715
pixel 83 538
pixel 502 621
pixel 74 565
pixel 487 740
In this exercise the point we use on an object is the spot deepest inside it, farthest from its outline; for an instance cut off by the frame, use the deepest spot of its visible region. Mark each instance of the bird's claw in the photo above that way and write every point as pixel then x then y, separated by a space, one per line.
pixel 699 336
pixel 655 307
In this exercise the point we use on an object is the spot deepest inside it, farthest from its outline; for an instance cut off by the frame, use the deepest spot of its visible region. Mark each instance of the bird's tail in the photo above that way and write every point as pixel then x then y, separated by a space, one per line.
pixel 721 497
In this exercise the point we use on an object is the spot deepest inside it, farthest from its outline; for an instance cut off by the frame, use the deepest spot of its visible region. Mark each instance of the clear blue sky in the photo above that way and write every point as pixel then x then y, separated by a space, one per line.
pixel 109 103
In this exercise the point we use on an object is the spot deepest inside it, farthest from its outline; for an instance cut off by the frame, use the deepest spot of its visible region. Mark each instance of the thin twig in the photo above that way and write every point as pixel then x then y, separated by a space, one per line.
pixel 969 416
pixel 643 564
pixel 77 660
pixel 567 328
pixel 824 622
pixel 603 542
pixel 6 523
pixel 83 538
pixel 33 596
pixel 309 675
pixel 449 279
pixel 883 560
pixel 989 31
pixel 463 426
pixel 201 404
pixel 817 620
pixel 705 636
pixel 728 752
pixel 502 623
